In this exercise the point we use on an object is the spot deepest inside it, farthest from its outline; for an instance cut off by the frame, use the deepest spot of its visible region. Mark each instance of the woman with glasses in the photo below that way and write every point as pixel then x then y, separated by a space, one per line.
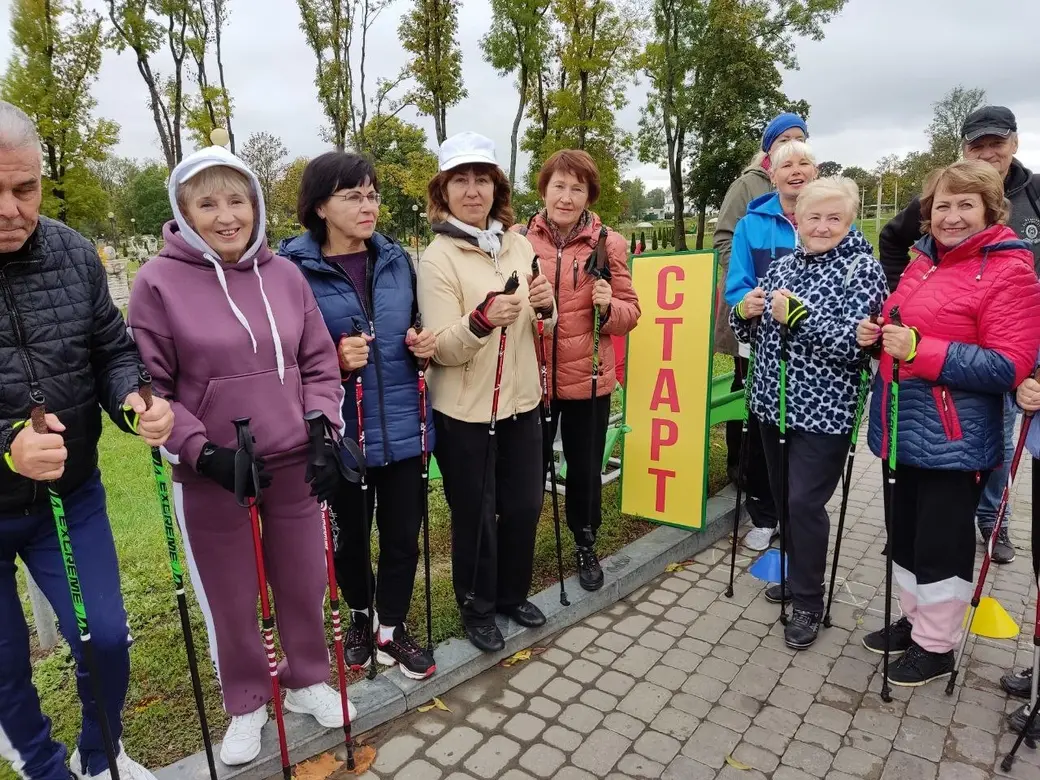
pixel 364 284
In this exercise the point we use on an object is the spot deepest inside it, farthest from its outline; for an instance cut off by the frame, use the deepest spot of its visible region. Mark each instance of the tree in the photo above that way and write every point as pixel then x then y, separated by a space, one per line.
pixel 710 53
pixel 57 55
pixel 404 166
pixel 829 168
pixel 146 200
pixel 578 93
pixel 516 44
pixel 428 32
pixel 332 29
pixel 265 153
pixel 944 133
pixel 656 198
pixel 136 26
pixel 634 201
pixel 281 208
pixel 212 107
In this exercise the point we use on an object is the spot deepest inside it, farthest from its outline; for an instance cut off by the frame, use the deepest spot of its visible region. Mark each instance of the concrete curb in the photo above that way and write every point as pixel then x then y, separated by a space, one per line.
pixel 391 694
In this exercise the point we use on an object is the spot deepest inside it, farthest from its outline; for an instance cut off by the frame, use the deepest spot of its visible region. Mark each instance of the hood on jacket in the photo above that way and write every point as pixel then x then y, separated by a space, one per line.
pixel 854 243
pixel 1018 176
pixel 304 248
pixel 184 243
pixel 756 169
pixel 589 233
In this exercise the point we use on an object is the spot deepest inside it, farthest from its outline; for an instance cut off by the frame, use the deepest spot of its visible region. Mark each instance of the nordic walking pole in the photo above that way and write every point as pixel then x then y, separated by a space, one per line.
pixel 598 267
pixel 423 366
pixel 890 515
pixel 1034 701
pixel 546 427
pixel 987 560
pixel 846 486
pixel 512 284
pixel 743 459
pixel 246 473
pixel 61 527
pixel 159 471
pixel 359 404
pixel 317 430
pixel 784 519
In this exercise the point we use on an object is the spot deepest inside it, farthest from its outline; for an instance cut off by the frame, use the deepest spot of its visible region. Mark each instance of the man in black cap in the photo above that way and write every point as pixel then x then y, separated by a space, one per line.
pixel 989 134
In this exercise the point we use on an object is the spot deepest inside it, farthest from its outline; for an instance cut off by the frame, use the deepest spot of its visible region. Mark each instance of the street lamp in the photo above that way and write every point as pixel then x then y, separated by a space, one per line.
pixel 133 225
pixel 415 210
pixel 112 225
pixel 422 214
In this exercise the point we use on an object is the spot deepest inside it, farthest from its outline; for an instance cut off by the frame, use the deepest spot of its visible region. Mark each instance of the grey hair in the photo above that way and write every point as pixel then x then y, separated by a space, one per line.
pixel 17 130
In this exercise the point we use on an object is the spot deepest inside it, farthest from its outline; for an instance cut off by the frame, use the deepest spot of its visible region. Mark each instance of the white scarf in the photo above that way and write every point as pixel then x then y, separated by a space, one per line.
pixel 489 240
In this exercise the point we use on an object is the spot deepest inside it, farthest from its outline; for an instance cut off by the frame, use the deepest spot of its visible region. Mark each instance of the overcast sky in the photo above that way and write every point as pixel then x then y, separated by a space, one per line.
pixel 870 82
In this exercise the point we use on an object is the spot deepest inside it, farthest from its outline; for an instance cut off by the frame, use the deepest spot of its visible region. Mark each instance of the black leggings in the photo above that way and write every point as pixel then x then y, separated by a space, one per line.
pixel 398 488
pixel 506 500
pixel 582 421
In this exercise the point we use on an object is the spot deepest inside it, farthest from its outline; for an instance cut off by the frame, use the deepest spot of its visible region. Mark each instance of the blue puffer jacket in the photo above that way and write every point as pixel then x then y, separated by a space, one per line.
pixel 761 236
pixel 391 396
pixel 978 312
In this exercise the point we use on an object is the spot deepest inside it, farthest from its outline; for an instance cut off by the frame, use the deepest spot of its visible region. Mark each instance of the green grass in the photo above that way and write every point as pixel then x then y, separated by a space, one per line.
pixel 160 723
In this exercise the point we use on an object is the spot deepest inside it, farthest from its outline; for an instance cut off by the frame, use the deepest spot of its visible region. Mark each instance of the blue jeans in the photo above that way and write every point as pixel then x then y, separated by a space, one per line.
pixel 989 504
pixel 25 732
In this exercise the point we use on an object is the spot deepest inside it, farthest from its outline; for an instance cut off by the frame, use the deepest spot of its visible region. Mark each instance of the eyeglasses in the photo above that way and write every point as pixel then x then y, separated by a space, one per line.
pixel 356 199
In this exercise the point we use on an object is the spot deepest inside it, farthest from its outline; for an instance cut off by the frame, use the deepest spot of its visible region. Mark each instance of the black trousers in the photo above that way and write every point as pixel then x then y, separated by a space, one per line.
pixel 584 433
pixel 499 490
pixel 815 462
pixel 759 493
pixel 399 490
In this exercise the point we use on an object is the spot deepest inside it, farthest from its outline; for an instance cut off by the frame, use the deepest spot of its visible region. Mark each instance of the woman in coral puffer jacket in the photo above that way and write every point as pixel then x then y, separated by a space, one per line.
pixel 970 310
pixel 564 235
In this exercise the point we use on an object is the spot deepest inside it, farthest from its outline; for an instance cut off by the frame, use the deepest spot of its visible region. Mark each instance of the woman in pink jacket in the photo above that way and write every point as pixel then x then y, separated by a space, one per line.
pixel 568 237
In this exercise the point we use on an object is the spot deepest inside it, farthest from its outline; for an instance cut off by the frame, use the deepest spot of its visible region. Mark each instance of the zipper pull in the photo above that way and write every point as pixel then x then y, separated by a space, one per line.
pixel 372 327
pixel 575 273
pixel 946 408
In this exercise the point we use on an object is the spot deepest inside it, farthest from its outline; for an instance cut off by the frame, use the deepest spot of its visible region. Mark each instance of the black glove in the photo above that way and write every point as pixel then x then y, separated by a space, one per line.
pixel 324 471
pixel 218 463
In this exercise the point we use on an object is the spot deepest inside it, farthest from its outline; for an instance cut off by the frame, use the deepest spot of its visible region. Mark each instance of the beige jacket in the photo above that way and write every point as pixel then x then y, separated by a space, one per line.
pixel 454 278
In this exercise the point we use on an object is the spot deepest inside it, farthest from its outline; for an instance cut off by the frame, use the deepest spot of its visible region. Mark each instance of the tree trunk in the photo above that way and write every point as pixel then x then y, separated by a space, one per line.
pixel 524 77
pixel 676 145
pixel 219 23
pixel 702 211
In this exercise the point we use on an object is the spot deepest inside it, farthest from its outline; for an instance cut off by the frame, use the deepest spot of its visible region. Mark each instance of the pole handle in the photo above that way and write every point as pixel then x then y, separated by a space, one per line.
pixel 38 412
pixel 245 465
pixel 512 284
pixel 316 433
pixel 145 389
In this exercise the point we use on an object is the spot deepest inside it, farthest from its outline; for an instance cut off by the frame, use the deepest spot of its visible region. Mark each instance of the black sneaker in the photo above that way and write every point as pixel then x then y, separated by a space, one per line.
pixel 486 638
pixel 1017 720
pixel 773 594
pixel 590 573
pixel 802 629
pixel 1003 550
pixel 917 667
pixel 899 631
pixel 414 661
pixel 357 647
pixel 527 615
pixel 1018 684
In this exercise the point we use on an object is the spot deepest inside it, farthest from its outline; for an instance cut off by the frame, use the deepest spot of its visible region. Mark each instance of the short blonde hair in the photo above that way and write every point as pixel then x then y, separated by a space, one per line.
pixel 966 177
pixel 213 179
pixel 829 188
pixel 792 150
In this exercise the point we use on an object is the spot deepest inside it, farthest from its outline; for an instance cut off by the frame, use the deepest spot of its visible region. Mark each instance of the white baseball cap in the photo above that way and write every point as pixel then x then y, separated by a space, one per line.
pixel 465 149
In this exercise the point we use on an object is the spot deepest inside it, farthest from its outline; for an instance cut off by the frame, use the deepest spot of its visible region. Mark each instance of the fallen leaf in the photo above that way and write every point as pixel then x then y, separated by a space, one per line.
pixel 364 757
pixel 436 704
pixel 538 650
pixel 736 764
pixel 518 657
pixel 318 768
pixel 677 566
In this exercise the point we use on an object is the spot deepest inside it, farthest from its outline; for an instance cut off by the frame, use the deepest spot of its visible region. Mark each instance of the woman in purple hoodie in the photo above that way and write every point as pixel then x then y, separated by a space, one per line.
pixel 229 329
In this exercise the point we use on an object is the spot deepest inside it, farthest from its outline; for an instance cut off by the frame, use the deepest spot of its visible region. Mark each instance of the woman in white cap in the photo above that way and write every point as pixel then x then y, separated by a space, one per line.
pixel 463 279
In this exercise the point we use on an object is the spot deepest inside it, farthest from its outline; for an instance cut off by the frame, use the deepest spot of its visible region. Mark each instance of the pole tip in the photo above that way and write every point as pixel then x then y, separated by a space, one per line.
pixel 729 592
pixel 1006 764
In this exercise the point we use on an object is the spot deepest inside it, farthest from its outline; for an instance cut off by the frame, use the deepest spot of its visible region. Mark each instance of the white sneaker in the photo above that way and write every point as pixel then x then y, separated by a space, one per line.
pixel 128 768
pixel 242 741
pixel 759 539
pixel 321 702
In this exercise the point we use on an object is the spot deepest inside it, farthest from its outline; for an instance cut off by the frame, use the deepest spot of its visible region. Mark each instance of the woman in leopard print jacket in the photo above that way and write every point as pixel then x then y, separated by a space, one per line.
pixel 817 295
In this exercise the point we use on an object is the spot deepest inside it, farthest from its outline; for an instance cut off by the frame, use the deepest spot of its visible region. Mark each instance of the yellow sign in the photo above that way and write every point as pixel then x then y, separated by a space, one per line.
pixel 667 389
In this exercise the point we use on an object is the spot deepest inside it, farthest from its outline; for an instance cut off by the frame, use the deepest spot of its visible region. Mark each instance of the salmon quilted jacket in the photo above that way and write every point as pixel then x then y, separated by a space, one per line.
pixel 978 314
pixel 569 348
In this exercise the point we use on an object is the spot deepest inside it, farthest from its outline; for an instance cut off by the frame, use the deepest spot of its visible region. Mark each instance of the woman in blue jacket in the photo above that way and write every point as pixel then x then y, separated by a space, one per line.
pixel 365 287
pixel 765 234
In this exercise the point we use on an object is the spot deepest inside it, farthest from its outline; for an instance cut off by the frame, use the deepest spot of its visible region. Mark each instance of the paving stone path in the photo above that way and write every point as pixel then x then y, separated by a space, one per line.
pixel 676 678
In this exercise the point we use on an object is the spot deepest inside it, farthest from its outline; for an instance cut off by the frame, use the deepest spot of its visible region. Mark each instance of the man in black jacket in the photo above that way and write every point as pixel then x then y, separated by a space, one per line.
pixel 63 344
pixel 989 134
